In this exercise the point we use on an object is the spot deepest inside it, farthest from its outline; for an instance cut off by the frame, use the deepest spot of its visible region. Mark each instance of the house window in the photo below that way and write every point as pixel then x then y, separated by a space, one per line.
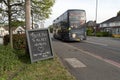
pixel 104 25
pixel 112 24
pixel 118 30
pixel 113 31
pixel 117 23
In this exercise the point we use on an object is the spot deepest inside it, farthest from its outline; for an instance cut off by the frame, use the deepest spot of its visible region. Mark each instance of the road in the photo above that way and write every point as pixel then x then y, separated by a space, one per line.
pixel 106 48
pixel 93 59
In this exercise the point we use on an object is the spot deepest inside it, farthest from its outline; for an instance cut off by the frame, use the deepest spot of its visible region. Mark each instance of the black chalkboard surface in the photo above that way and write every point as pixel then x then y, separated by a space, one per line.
pixel 39 43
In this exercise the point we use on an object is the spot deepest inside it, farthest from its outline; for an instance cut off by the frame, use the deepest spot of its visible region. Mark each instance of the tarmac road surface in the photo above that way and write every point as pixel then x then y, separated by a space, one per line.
pixel 84 63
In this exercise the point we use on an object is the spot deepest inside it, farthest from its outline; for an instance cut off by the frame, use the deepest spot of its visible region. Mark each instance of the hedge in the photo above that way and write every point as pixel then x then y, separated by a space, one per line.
pixel 103 34
pixel 19 41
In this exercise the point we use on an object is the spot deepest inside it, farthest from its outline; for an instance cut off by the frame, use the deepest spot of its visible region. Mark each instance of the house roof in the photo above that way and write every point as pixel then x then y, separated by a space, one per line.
pixel 6 28
pixel 113 19
pixel 13 28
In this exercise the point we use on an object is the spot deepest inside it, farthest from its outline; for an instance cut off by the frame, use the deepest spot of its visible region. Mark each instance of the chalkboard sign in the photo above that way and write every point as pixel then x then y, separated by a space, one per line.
pixel 39 43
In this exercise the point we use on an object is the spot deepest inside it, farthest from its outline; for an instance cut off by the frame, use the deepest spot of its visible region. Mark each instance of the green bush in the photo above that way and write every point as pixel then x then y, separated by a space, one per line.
pixel 6 40
pixel 106 34
pixel 103 34
pixel 90 32
pixel 19 41
pixel 99 34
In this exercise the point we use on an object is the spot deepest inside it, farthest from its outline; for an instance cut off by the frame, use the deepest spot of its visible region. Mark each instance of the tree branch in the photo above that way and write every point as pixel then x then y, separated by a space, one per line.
pixel 17 4
pixel 5 2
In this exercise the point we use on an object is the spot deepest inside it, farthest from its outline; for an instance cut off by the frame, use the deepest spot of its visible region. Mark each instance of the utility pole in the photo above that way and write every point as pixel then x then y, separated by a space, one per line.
pixel 27 14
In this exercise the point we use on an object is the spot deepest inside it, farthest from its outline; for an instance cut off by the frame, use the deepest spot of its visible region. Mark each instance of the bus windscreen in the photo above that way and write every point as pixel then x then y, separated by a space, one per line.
pixel 77 18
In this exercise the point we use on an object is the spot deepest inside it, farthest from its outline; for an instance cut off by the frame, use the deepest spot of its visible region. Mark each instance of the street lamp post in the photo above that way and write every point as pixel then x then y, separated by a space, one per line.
pixel 96 10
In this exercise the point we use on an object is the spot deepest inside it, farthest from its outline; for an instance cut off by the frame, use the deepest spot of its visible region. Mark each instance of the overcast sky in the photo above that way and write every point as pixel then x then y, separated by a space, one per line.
pixel 106 9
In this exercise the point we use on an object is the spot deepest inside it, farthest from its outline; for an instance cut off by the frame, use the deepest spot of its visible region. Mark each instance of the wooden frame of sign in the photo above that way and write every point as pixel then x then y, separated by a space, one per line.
pixel 39 44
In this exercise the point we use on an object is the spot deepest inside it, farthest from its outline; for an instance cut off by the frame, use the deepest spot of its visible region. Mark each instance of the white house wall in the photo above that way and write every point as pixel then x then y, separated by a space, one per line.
pixel 18 30
pixel 111 24
pixel 3 32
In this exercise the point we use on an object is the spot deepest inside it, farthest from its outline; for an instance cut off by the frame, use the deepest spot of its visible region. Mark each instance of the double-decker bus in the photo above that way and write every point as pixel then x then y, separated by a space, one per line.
pixel 70 26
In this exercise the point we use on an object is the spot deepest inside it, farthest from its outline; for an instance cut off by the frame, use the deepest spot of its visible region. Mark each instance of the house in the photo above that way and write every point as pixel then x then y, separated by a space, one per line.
pixel 112 26
pixel 5 30
pixel 19 30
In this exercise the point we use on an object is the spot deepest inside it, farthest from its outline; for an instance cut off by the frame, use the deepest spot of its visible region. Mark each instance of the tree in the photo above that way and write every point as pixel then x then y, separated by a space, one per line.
pixel 41 9
pixel 51 28
pixel 27 13
pixel 12 10
pixel 118 14
pixel 17 23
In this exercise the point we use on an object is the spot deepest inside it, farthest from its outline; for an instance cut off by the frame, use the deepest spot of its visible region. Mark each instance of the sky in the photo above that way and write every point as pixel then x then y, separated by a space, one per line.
pixel 105 9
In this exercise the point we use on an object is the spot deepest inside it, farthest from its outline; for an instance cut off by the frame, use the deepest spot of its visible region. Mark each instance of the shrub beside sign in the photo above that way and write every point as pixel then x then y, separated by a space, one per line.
pixel 39 43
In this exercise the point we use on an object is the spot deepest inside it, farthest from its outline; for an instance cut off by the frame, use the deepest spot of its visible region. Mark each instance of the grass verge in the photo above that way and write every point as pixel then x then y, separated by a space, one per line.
pixel 16 65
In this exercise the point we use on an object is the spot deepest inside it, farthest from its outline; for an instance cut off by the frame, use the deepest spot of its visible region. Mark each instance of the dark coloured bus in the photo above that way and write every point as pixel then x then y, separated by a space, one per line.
pixel 70 26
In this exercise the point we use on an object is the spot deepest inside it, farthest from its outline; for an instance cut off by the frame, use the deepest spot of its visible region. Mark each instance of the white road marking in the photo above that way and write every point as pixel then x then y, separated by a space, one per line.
pixel 75 62
pixel 96 56
pixel 96 43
